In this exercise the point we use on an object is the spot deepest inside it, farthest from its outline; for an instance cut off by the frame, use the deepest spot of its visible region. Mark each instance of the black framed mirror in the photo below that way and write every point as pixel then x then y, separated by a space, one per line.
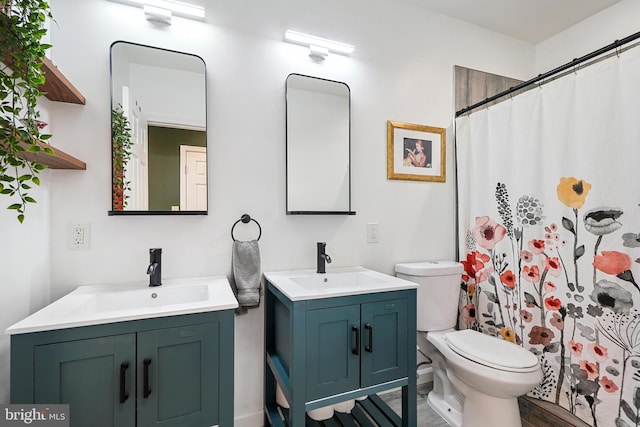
pixel 318 146
pixel 159 131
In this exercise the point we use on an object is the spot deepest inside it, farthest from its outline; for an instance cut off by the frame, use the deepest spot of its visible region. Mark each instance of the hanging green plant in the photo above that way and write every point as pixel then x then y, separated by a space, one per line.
pixel 21 52
pixel 121 149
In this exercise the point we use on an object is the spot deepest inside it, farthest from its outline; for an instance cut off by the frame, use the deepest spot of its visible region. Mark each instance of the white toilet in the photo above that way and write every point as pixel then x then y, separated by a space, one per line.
pixel 477 378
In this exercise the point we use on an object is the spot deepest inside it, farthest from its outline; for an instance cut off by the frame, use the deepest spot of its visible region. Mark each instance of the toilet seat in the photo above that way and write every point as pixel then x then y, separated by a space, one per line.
pixel 491 351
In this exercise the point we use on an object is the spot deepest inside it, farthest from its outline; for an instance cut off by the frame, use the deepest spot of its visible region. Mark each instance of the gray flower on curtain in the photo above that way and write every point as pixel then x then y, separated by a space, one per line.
pixel 529 211
pixel 602 221
pixel 631 240
pixel 612 296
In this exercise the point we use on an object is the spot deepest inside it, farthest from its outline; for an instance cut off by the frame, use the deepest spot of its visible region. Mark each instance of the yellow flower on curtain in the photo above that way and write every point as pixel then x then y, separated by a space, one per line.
pixel 507 334
pixel 573 192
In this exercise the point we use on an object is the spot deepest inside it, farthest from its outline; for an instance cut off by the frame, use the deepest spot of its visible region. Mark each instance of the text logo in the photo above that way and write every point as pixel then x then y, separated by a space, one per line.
pixel 34 415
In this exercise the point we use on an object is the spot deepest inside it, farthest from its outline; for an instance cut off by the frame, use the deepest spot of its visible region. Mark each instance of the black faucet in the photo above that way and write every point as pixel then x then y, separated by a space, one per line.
pixel 155 267
pixel 322 257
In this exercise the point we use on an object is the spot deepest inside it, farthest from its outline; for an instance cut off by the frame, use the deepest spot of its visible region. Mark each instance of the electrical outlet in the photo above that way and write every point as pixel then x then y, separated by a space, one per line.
pixel 79 236
pixel 373 232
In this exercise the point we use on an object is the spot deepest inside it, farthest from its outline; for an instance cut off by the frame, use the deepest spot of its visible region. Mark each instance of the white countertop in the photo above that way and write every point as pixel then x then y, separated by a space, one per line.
pixel 110 303
pixel 299 285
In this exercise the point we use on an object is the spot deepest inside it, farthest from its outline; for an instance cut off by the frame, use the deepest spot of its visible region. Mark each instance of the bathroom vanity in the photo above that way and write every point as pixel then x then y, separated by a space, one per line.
pixel 120 356
pixel 347 334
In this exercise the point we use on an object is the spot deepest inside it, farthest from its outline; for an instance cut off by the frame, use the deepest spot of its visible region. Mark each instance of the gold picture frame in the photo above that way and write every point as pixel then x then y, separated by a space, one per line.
pixel 415 152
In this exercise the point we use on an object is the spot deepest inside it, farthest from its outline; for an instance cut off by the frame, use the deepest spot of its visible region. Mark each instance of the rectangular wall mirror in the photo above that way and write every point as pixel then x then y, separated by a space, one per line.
pixel 159 131
pixel 318 146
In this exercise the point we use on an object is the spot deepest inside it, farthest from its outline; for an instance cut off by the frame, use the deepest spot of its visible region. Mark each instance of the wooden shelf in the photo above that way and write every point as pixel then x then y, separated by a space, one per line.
pixel 60 160
pixel 57 87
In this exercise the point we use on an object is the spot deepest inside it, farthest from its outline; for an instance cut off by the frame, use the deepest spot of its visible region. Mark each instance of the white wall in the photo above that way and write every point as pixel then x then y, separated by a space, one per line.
pixel 24 268
pixel 401 70
pixel 602 29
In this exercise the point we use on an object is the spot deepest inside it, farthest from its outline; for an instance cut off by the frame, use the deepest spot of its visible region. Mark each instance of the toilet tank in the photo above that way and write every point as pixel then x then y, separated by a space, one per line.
pixel 438 292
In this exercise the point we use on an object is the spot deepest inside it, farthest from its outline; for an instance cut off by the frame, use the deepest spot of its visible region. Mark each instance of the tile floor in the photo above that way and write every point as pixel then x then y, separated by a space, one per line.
pixel 426 415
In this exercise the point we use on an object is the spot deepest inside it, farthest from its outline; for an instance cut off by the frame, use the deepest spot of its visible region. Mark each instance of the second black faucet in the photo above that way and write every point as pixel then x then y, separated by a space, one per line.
pixel 322 257
pixel 155 267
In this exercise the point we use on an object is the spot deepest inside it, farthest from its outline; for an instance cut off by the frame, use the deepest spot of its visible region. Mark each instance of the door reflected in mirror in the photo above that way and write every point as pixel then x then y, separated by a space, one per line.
pixel 318 146
pixel 159 131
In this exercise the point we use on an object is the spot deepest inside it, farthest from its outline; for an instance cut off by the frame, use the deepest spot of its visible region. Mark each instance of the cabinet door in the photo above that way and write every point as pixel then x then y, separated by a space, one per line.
pixel 384 342
pixel 332 350
pixel 178 376
pixel 96 377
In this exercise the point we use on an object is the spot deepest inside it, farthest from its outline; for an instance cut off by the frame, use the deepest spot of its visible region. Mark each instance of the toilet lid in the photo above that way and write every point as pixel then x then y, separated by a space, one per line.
pixel 429 268
pixel 491 351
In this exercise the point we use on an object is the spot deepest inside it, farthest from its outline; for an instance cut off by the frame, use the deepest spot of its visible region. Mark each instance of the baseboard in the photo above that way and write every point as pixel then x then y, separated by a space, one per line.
pixel 249 420
pixel 425 375
pixel 540 413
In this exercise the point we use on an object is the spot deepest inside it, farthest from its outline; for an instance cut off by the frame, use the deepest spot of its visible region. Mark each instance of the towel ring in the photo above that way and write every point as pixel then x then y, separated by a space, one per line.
pixel 245 218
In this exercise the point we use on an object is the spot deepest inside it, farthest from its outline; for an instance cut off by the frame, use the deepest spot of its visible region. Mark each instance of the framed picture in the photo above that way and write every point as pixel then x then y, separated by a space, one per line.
pixel 415 152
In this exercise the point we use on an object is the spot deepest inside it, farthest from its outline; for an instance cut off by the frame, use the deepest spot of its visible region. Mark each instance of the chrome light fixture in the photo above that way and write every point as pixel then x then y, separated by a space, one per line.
pixel 319 47
pixel 159 9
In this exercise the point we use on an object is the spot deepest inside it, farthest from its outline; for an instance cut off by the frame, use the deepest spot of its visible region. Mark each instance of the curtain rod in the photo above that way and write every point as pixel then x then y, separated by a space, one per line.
pixel 561 68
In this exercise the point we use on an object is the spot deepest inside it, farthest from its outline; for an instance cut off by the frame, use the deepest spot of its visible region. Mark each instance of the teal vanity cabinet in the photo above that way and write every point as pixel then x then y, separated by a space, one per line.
pixel 323 351
pixel 165 371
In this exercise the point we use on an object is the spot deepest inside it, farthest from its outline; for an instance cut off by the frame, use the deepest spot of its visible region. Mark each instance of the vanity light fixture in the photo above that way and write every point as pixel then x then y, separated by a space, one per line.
pixel 318 53
pixel 319 47
pixel 161 7
pixel 157 14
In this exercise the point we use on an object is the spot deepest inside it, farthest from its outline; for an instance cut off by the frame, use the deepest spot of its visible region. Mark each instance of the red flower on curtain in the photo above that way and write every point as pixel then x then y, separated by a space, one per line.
pixel 488 232
pixel 508 279
pixel 576 348
pixel 531 273
pixel 469 313
pixel 541 335
pixel 608 385
pixel 557 321
pixel 589 369
pixel 612 262
pixel 473 264
pixel 552 303
pixel 553 266
pixel 537 246
pixel 600 352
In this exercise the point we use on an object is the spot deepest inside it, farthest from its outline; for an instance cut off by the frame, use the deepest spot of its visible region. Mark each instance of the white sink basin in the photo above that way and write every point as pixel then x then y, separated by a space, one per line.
pixel 148 297
pixel 307 284
pixel 99 304
pixel 360 279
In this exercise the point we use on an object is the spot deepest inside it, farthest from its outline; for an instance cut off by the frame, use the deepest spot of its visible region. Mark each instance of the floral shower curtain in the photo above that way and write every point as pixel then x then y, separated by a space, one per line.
pixel 549 210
